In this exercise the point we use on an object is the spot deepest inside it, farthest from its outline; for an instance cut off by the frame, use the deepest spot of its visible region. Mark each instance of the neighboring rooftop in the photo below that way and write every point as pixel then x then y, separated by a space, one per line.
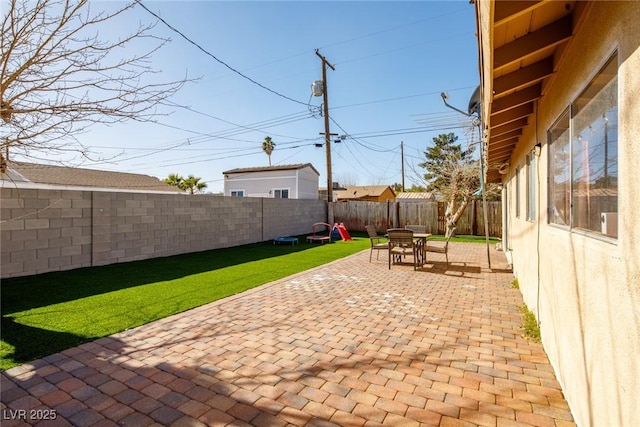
pixel 414 196
pixel 357 192
pixel 78 177
pixel 272 168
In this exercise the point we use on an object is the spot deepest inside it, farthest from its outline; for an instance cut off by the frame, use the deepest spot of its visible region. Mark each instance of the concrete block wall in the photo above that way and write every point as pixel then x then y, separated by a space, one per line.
pixel 302 216
pixel 50 230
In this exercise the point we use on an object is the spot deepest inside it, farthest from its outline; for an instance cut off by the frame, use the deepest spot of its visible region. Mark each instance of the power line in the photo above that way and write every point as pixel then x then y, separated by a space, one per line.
pixel 393 28
pixel 172 28
pixel 356 140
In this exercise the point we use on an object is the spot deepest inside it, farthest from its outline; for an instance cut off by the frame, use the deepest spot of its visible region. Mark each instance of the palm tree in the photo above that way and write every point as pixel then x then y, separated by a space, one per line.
pixel 175 180
pixel 193 184
pixel 268 146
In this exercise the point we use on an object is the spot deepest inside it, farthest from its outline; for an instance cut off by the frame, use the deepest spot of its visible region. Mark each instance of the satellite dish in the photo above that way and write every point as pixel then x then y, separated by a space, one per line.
pixel 474 102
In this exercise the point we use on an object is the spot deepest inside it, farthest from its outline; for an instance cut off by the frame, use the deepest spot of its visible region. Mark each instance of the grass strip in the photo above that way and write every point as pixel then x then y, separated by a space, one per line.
pixel 47 313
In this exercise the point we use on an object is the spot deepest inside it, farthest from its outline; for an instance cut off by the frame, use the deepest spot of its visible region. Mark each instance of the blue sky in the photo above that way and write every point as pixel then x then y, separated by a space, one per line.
pixel 392 60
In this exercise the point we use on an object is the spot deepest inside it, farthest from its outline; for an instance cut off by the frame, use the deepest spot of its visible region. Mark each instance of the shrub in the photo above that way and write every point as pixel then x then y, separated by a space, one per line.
pixel 530 324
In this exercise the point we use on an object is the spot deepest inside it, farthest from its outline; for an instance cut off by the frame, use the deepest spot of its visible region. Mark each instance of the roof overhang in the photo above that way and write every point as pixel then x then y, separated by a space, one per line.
pixel 521 47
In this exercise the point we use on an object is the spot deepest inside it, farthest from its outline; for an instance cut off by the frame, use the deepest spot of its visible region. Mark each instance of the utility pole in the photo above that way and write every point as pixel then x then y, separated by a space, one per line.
pixel 402 158
pixel 327 134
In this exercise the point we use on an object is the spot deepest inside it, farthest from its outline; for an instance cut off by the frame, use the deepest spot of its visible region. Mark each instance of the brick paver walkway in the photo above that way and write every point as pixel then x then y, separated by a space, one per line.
pixel 349 344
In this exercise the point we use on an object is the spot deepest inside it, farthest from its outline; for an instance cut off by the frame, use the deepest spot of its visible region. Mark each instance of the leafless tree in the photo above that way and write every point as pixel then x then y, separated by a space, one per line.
pixel 57 77
pixel 451 172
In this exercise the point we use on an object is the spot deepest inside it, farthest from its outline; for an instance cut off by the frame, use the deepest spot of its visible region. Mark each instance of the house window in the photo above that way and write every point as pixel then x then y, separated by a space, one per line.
pixel 518 192
pixel 585 158
pixel 560 171
pixel 595 150
pixel 531 186
pixel 237 193
pixel 281 193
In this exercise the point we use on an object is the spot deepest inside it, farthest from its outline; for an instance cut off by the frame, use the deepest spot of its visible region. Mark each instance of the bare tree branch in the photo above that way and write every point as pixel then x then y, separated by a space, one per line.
pixel 453 173
pixel 57 78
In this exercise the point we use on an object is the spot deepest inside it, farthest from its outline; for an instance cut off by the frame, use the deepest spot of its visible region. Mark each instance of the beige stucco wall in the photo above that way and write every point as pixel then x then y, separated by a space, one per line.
pixel 301 183
pixel 585 290
pixel 50 230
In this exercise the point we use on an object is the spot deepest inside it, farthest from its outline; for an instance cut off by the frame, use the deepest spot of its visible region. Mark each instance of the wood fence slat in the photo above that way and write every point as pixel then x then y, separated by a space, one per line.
pixel 383 215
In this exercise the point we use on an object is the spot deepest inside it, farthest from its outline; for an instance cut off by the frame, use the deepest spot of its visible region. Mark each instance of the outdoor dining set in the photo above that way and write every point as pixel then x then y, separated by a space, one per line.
pixel 412 241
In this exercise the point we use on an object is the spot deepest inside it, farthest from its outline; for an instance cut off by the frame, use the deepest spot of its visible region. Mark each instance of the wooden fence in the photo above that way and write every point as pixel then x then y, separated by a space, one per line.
pixel 355 215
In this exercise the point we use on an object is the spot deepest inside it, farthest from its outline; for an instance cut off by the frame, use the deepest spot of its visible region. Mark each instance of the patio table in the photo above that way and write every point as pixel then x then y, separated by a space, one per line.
pixel 422 255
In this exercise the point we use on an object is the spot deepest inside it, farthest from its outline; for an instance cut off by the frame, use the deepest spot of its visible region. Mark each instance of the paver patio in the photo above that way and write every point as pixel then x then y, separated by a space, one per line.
pixel 350 343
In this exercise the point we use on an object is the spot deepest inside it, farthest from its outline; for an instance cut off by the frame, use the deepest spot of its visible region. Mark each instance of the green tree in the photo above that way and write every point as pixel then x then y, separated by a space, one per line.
pixel 192 184
pixel 415 189
pixel 453 173
pixel 268 146
pixel 175 180
pixel 397 188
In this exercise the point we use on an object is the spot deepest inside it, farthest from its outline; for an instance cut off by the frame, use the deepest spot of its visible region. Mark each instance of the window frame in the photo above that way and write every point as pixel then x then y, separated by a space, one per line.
pixel 591 111
pixel 234 193
pixel 531 193
pixel 552 142
pixel 280 190
pixel 517 195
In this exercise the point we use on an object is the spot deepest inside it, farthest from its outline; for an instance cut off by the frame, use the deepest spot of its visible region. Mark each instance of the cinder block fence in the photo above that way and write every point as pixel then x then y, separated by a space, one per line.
pixel 49 230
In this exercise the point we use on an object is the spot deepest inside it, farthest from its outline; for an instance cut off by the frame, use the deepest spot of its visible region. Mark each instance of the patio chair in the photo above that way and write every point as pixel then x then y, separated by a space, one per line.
pixel 444 249
pixel 416 228
pixel 401 244
pixel 378 243
pixel 320 232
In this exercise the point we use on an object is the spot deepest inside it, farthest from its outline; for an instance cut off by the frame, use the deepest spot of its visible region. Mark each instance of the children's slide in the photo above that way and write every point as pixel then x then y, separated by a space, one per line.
pixel 342 230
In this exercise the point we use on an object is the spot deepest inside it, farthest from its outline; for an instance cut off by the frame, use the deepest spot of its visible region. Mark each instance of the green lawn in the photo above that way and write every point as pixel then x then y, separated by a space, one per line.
pixel 50 312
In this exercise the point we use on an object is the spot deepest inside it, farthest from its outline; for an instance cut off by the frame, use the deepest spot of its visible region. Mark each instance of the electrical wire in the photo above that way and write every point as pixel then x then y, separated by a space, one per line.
pixel 393 28
pixel 172 28
pixel 381 150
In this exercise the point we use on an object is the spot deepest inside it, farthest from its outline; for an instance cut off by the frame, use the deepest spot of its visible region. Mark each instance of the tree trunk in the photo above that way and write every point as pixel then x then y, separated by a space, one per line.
pixel 452 217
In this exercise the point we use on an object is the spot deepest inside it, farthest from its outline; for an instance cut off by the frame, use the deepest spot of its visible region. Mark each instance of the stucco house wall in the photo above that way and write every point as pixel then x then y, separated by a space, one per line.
pixel 584 288
pixel 307 184
pixel 300 181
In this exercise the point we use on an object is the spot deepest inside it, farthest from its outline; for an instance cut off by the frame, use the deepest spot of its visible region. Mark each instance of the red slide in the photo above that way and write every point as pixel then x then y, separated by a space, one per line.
pixel 344 234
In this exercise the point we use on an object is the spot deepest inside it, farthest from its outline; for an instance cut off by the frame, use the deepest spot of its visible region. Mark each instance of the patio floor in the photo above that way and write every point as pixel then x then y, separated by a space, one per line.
pixel 349 343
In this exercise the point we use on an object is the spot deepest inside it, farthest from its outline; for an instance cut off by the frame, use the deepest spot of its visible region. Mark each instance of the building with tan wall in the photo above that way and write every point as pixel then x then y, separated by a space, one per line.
pixel 365 193
pixel 560 96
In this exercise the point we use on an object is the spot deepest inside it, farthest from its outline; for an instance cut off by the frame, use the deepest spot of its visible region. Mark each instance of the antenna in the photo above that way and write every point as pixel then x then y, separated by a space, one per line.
pixel 474 111
pixel 445 96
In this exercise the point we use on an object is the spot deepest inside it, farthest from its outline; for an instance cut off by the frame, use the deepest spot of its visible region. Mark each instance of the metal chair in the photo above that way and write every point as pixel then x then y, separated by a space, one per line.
pixel 378 243
pixel 442 249
pixel 401 244
pixel 416 228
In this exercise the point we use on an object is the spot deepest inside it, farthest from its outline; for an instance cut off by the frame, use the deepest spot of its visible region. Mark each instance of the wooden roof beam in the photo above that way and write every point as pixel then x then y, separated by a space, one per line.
pixel 532 43
pixel 508 10
pixel 504 150
pixel 511 115
pixel 516 99
pixel 509 127
pixel 523 77
pixel 499 138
